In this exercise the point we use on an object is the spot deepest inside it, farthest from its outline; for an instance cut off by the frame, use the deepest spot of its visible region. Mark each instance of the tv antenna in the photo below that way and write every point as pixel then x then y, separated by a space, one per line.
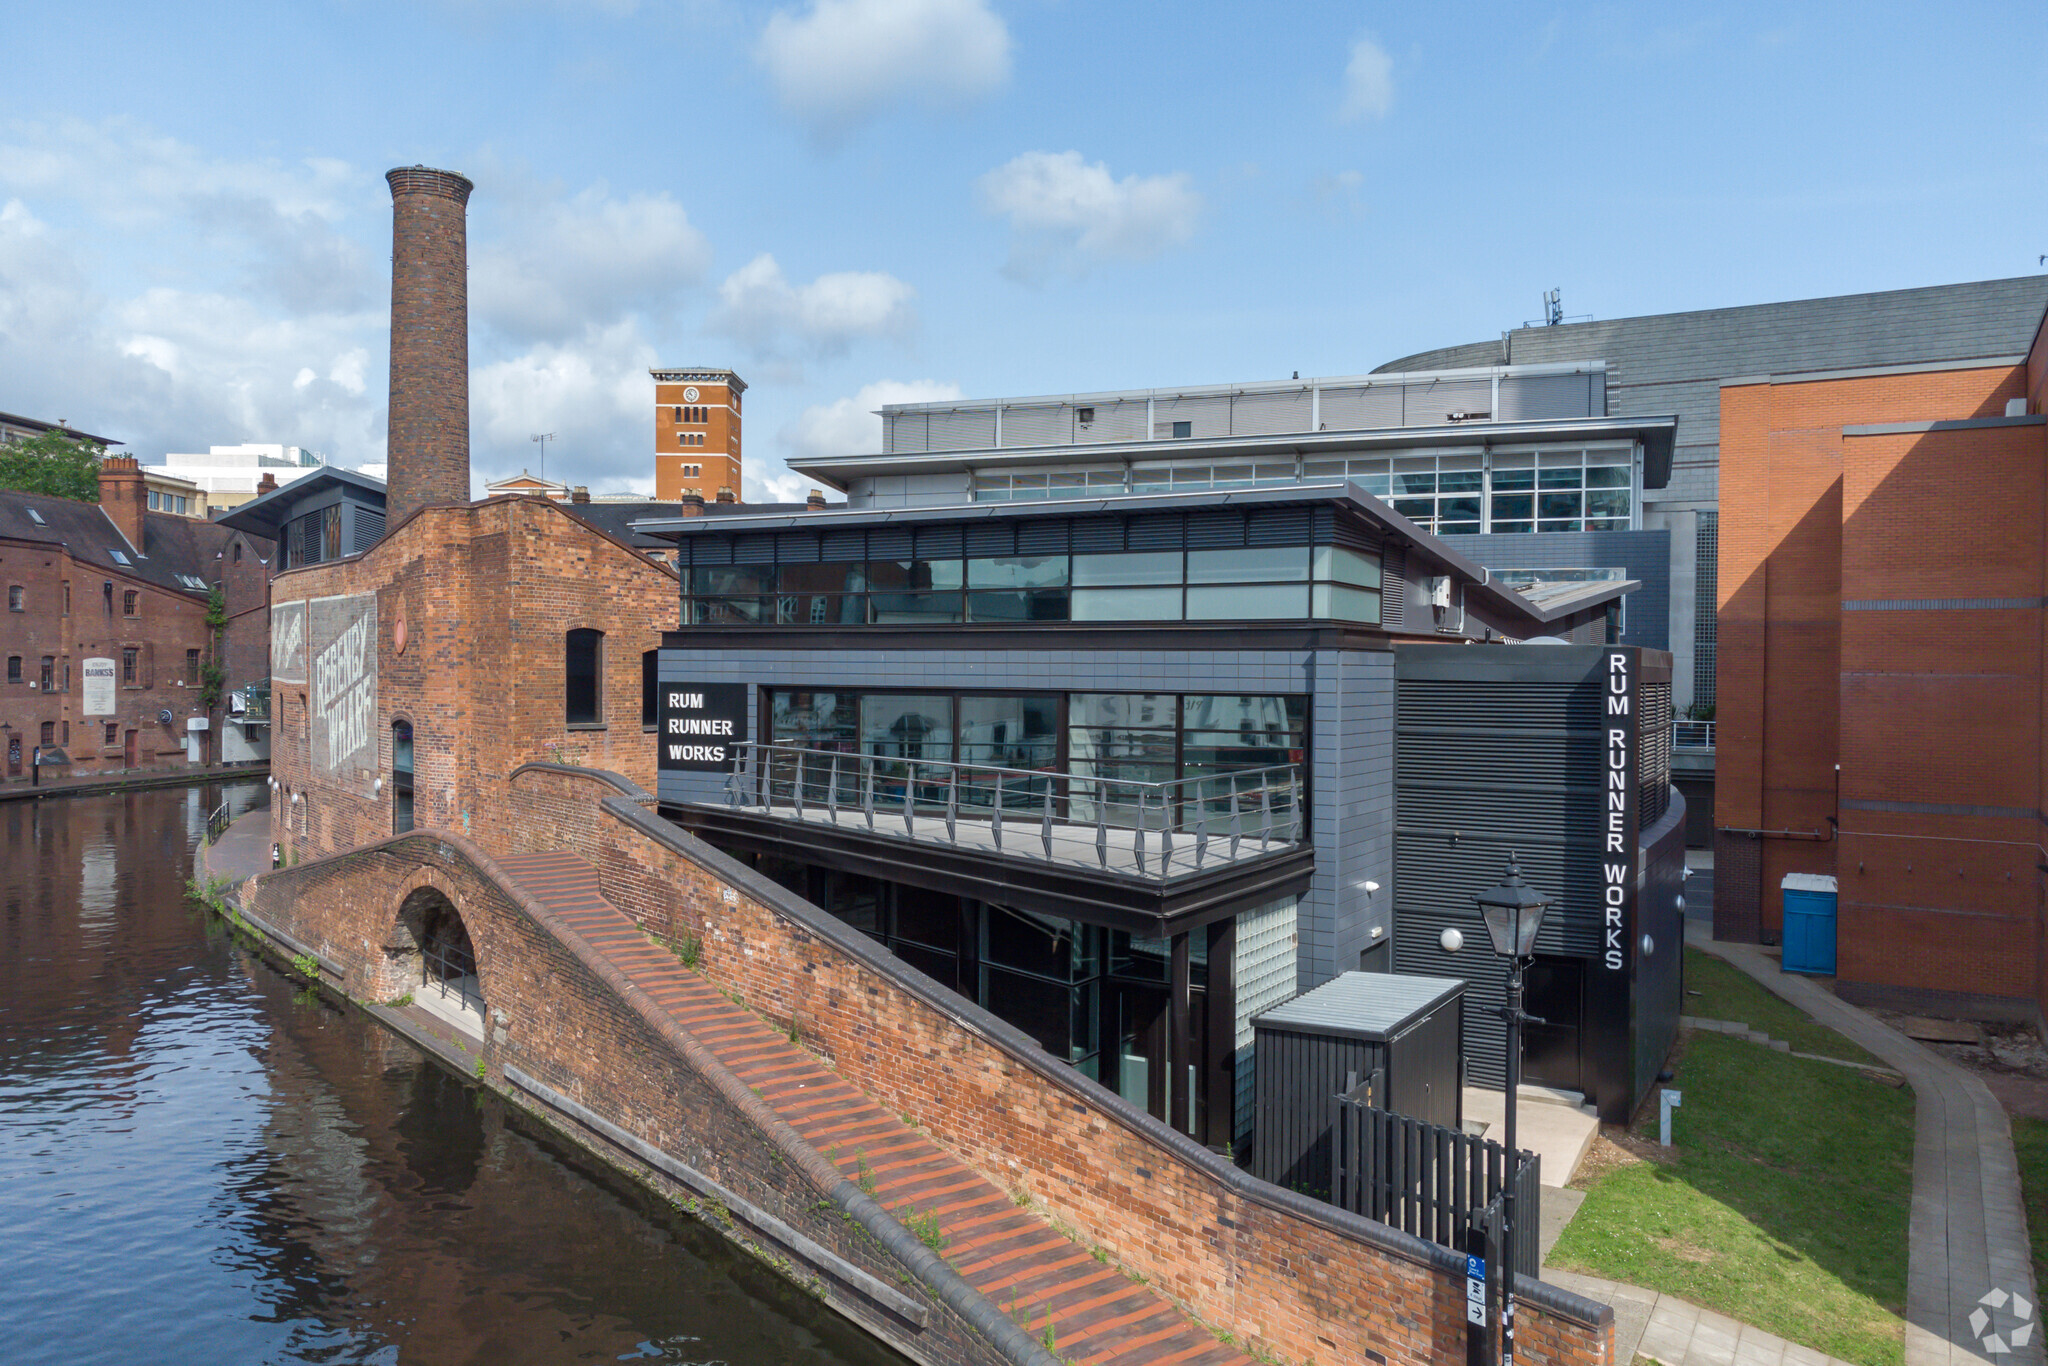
pixel 1553 311
pixel 542 438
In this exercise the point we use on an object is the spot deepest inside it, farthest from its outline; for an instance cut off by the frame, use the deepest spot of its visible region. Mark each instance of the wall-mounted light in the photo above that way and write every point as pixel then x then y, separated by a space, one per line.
pixel 1452 940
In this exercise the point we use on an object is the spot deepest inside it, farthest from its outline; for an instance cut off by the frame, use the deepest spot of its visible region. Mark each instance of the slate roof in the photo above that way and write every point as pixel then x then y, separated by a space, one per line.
pixel 616 519
pixel 171 545
pixel 1675 362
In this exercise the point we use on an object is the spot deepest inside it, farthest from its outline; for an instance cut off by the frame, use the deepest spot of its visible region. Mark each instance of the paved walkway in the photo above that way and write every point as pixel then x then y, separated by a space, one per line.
pixel 243 850
pixel 1007 1253
pixel 1968 1235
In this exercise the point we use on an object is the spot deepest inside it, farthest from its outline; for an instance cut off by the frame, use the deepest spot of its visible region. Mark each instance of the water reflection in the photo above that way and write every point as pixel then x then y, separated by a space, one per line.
pixel 201 1162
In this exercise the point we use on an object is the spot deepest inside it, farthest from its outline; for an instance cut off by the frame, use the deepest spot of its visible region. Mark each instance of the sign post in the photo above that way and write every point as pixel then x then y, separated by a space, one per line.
pixel 1478 1334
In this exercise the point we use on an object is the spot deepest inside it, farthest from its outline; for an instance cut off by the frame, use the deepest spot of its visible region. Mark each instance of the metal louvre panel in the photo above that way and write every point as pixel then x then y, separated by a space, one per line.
pixel 1098 534
pixel 369 526
pixel 1042 536
pixel 1215 530
pixel 1596 388
pixel 1050 425
pixel 1655 755
pixel 1361 408
pixel 903 433
pixel 1530 398
pixel 1278 526
pixel 1393 586
pixel 711 550
pixel 1156 532
pixel 1119 421
pixel 889 543
pixel 1264 414
pixel 1428 405
pixel 843 547
pixel 756 549
pixel 1209 416
pixel 940 543
pixel 796 547
pixel 991 538
pixel 971 430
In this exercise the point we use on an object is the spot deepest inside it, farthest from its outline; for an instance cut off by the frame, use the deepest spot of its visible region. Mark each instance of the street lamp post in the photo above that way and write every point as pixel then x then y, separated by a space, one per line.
pixel 1513 912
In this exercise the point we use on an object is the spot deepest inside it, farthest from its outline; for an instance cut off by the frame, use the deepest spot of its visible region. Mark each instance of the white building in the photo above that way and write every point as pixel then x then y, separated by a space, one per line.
pixel 229 474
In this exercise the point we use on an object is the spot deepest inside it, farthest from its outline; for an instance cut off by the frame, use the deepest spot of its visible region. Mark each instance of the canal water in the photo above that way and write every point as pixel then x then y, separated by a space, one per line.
pixel 201 1162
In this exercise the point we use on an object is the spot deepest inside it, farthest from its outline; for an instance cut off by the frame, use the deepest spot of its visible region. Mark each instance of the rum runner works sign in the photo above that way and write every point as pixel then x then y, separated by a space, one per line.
pixel 1621 812
pixel 700 724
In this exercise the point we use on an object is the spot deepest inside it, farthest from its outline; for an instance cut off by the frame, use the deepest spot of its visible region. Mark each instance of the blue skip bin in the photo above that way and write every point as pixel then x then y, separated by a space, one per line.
pixel 1809 923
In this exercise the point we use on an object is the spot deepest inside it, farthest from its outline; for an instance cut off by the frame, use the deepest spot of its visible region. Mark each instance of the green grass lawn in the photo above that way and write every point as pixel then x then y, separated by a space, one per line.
pixel 2030 1146
pixel 1785 1204
pixel 1729 993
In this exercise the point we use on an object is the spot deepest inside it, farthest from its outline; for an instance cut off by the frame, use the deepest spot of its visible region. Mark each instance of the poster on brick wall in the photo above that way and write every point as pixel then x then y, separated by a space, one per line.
pixel 341 696
pixel 97 687
pixel 288 642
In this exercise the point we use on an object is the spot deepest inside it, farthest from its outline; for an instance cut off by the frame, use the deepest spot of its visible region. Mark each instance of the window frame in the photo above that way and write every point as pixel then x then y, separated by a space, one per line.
pixel 571 639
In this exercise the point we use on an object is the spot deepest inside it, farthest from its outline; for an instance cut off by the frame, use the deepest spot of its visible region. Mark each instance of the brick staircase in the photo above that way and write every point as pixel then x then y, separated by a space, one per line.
pixel 1025 1267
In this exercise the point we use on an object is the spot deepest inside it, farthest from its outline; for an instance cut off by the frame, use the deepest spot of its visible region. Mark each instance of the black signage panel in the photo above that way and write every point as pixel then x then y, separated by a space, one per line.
pixel 700 725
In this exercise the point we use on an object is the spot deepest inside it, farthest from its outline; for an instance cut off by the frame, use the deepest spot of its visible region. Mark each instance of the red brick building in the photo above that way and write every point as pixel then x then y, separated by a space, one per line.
pixel 1883 566
pixel 104 636
pixel 409 681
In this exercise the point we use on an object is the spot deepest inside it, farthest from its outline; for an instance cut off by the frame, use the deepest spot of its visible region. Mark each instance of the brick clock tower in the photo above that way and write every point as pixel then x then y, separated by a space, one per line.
pixel 696 434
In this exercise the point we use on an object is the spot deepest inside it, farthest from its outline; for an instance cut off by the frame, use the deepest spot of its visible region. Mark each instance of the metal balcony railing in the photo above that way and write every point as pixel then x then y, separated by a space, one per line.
pixel 1157 830
pixel 1692 734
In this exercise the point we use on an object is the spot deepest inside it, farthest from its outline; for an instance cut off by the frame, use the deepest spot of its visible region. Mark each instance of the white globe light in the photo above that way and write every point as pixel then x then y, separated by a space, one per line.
pixel 1452 940
pixel 1649 945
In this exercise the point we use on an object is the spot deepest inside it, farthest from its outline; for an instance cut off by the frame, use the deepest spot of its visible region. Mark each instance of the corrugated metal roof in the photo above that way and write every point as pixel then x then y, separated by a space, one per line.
pixel 1362 1005
pixel 1674 362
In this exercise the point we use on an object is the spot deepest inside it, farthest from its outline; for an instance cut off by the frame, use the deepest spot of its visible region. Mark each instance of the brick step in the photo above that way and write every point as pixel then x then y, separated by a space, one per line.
pixel 1027 1268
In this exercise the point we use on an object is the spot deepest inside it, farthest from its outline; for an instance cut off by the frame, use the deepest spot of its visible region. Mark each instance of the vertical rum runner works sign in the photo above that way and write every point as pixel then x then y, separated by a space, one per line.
pixel 98 675
pixel 700 724
pixel 1623 814
pixel 341 693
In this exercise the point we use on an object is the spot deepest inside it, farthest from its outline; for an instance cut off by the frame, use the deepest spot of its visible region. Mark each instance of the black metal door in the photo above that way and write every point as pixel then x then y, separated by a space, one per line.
pixel 1555 992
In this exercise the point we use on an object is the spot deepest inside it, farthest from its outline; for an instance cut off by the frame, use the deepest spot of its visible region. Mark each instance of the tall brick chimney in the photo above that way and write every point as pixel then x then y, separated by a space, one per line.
pixel 816 502
pixel 726 496
pixel 125 495
pixel 428 443
pixel 267 484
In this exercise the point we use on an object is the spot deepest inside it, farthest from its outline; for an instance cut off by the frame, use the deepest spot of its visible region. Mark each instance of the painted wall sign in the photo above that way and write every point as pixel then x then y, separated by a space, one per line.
pixel 700 724
pixel 288 642
pixel 99 687
pixel 1618 852
pixel 341 698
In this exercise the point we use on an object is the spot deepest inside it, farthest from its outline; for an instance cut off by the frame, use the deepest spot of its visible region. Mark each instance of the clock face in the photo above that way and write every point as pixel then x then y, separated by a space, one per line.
pixel 690 394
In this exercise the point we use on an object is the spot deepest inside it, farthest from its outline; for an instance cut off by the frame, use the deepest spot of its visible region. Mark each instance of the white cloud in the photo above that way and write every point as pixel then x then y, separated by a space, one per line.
pixel 851 426
pixel 1368 82
pixel 561 265
pixel 841 61
pixel 1059 204
pixel 759 307
pixel 592 392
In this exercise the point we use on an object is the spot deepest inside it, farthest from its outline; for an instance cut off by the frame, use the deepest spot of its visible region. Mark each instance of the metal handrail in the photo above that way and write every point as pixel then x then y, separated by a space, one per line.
pixel 1692 734
pixel 936 799
pixel 217 822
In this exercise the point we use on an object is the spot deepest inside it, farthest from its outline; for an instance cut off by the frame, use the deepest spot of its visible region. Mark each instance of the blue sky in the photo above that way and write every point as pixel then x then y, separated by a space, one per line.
pixel 856 201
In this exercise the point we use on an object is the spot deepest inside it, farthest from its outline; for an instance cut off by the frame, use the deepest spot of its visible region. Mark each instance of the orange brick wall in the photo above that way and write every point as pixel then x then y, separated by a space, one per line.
pixel 1925 711
pixel 488 594
pixel 719 456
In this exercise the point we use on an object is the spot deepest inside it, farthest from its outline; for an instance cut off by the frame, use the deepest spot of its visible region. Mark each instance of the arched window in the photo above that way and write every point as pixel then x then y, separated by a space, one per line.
pixel 238 552
pixel 401 777
pixel 583 669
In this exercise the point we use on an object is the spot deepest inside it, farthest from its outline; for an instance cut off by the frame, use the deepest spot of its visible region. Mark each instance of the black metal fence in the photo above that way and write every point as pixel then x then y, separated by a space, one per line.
pixel 217 822
pixel 1431 1181
pixel 449 966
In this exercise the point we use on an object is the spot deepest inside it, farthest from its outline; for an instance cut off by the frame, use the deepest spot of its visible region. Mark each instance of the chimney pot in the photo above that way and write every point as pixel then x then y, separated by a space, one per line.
pixel 267 484
pixel 580 494
pixel 816 501
pixel 726 496
pixel 693 503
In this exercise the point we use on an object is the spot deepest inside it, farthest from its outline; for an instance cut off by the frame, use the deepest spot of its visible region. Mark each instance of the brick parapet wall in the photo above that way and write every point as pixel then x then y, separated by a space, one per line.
pixel 571 1022
pixel 1289 1275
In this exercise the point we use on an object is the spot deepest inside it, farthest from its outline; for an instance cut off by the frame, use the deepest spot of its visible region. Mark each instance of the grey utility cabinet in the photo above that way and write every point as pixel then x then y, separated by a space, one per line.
pixel 1403 1035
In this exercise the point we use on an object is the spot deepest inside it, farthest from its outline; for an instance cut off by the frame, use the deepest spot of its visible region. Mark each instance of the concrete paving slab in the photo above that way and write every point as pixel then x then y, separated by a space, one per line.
pixel 1559 1134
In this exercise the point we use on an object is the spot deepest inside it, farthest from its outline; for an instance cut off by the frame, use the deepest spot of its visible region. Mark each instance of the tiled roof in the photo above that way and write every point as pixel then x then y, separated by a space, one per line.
pixel 172 546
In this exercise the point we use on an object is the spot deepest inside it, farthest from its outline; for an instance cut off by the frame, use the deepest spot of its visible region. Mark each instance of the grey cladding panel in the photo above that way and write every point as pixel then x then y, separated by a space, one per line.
pixel 971 429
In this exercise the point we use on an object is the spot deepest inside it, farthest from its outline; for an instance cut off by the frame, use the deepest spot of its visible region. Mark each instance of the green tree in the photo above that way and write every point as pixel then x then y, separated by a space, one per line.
pixel 55 464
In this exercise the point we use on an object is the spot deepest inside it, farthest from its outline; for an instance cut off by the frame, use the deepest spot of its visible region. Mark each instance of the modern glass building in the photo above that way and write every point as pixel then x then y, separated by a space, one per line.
pixel 1120 770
